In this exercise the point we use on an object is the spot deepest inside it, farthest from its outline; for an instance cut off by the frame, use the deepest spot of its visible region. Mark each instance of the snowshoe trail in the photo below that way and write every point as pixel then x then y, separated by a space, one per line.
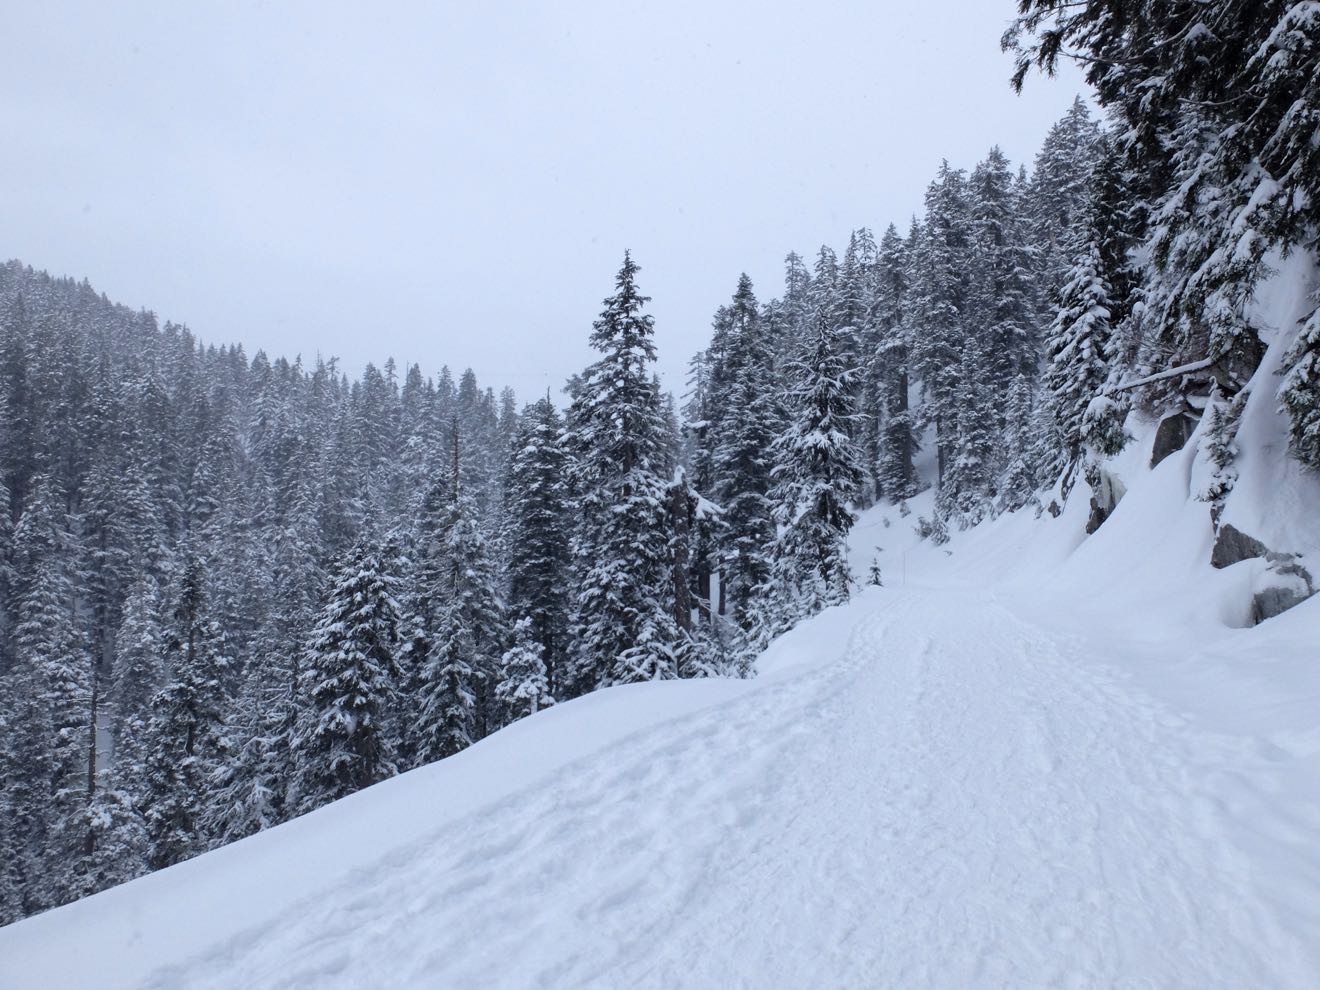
pixel 960 800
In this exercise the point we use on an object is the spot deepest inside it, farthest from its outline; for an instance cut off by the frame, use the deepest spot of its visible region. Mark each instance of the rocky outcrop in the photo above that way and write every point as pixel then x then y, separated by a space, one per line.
pixel 1171 436
pixel 1106 492
pixel 1232 545
pixel 1284 584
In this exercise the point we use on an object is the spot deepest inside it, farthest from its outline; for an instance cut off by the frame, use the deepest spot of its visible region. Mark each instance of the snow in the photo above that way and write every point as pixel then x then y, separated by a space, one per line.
pixel 1275 497
pixel 1032 758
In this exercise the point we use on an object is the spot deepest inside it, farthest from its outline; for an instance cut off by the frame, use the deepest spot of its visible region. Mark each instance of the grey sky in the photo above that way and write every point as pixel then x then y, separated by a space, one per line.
pixel 456 182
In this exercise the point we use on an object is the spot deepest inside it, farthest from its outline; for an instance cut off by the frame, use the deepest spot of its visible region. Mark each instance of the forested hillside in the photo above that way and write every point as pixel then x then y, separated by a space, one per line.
pixel 234 589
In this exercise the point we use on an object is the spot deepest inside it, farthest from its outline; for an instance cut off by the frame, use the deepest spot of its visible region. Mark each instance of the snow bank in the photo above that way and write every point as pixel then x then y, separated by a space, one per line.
pixel 118 937
pixel 1276 499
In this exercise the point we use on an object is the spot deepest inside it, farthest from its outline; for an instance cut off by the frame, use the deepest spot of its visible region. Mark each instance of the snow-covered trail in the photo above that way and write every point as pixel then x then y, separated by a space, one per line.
pixel 961 799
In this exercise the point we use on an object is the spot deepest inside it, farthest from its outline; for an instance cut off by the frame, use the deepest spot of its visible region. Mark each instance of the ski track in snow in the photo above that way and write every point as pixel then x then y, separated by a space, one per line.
pixel 960 800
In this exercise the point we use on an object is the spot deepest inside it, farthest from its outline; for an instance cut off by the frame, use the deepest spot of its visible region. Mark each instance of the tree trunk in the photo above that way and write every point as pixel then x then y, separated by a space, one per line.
pixel 679 513
pixel 905 448
pixel 89 840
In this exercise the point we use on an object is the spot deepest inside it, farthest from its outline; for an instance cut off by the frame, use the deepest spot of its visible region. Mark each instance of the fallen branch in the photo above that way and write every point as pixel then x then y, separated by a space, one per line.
pixel 1171 373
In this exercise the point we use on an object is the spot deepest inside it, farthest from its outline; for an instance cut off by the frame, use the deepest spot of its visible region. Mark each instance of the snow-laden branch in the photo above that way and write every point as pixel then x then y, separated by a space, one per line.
pixel 1182 369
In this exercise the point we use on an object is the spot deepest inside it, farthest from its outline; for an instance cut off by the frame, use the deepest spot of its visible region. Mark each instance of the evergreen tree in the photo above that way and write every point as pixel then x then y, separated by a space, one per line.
pixel 1019 482
pixel 252 777
pixel 523 689
pixel 939 305
pixel 1300 393
pixel 538 539
pixel 1077 348
pixel 817 473
pixel 139 647
pixel 1214 126
pixel 471 591
pixel 1060 194
pixel 622 617
pixel 16 861
pixel 895 475
pixel 1218 450
pixel 967 488
pixel 742 460
pixel 349 677
pixel 117 844
pixel 7 576
pixel 184 730
pixel 446 724
pixel 1002 296
pixel 56 708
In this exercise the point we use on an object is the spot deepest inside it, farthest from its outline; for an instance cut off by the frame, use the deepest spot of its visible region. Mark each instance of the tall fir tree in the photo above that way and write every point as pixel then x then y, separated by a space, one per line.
pixel 349 677
pixel 892 361
pixel 1077 349
pixel 939 306
pixel 184 733
pixel 742 458
pixel 817 473
pixel 537 506
pixel 446 722
pixel 622 616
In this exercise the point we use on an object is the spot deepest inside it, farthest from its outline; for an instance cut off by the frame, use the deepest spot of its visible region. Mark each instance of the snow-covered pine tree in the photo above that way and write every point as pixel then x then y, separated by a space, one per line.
pixel 856 310
pixel 895 475
pixel 709 417
pixel 853 313
pixel 266 709
pixel 458 615
pixel 183 736
pixel 817 471
pixel 1076 350
pixel 1218 449
pixel 1018 482
pixel 471 589
pixel 117 844
pixel 14 860
pixel 1300 392
pixel 823 291
pixel 447 719
pixel 623 622
pixel 250 780
pixel 537 508
pixel 139 647
pixel 966 491
pixel 1060 193
pixel 1119 218
pixel 7 576
pixel 349 679
pixel 699 459
pixel 1003 300
pixel 939 303
pixel 58 703
pixel 522 688
pixel 742 459
pixel 422 608
pixel 796 304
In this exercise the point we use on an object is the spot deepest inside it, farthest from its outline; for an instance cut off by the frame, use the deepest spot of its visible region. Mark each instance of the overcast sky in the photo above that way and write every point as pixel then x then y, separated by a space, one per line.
pixel 455 182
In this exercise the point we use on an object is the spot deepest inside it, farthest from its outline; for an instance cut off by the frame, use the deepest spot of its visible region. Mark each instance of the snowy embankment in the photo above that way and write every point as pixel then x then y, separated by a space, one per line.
pixel 1031 758
pixel 120 937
